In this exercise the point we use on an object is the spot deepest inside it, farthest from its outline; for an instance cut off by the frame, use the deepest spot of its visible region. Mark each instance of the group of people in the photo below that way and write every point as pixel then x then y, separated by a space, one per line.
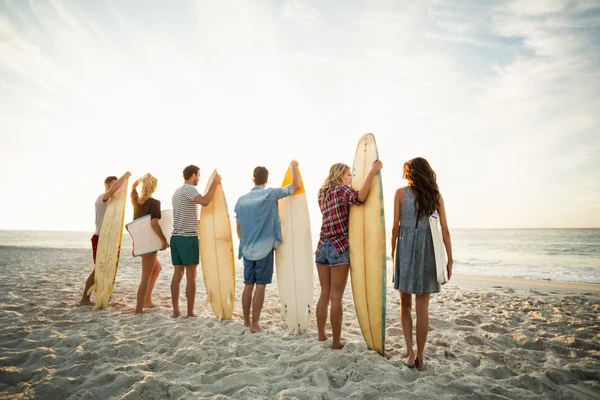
pixel 259 230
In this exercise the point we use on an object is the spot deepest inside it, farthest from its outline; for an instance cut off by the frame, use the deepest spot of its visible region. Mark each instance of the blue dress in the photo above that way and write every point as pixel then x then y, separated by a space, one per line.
pixel 415 258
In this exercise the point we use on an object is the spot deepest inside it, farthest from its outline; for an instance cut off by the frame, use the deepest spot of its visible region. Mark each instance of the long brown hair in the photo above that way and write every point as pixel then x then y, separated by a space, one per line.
pixel 335 178
pixel 422 180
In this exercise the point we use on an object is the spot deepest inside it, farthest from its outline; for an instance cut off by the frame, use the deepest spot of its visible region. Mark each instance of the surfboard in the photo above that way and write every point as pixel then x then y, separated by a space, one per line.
pixel 216 252
pixel 367 249
pixel 439 249
pixel 143 238
pixel 109 247
pixel 294 259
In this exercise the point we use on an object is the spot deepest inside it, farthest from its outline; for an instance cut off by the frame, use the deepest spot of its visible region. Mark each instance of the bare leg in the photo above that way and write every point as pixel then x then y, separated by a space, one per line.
pixel 147 267
pixel 339 278
pixel 157 268
pixel 257 304
pixel 85 298
pixel 407 324
pixel 247 303
pixel 190 288
pixel 323 304
pixel 422 306
pixel 175 284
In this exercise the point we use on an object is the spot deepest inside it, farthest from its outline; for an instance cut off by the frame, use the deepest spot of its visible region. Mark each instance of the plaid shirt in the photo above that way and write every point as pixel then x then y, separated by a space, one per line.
pixel 335 216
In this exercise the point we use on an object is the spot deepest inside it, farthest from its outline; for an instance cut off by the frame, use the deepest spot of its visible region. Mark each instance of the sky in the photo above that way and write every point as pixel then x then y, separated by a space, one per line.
pixel 500 96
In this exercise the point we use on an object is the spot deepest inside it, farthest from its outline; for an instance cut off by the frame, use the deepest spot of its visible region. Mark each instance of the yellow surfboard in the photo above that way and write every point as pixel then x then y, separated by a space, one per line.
pixel 367 249
pixel 216 252
pixel 294 259
pixel 109 247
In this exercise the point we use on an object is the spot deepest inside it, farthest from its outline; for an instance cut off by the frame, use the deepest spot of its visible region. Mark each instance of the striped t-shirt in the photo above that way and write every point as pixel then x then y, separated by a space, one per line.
pixel 185 211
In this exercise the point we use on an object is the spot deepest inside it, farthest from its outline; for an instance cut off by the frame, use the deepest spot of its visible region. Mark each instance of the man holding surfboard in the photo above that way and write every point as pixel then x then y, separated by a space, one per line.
pixel 185 251
pixel 259 231
pixel 111 185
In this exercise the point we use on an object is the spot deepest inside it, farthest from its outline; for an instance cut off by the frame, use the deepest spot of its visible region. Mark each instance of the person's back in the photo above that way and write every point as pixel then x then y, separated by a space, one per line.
pixel 258 215
pixel 185 211
pixel 259 231
pixel 185 249
pixel 415 257
pixel 412 245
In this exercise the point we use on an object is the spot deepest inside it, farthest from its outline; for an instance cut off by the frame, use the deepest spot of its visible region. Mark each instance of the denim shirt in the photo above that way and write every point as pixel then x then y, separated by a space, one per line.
pixel 257 212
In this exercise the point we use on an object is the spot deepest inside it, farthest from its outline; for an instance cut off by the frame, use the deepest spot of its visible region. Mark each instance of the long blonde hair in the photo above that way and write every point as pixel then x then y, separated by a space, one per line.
pixel 148 187
pixel 335 178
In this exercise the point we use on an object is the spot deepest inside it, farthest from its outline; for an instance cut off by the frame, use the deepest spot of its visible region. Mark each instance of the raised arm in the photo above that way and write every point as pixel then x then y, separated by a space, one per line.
pixel 363 193
pixel 295 175
pixel 446 234
pixel 207 198
pixel 116 186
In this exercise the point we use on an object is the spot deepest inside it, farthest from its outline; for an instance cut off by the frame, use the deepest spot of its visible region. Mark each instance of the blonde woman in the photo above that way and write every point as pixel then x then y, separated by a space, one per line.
pixel 333 255
pixel 146 205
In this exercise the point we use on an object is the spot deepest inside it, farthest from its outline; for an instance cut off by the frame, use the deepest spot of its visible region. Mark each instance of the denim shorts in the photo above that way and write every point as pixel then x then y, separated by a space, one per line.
pixel 259 271
pixel 328 255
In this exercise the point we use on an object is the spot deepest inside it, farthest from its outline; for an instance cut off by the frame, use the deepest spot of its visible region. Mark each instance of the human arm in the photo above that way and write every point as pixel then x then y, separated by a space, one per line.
pixel 396 225
pixel 363 193
pixel 207 198
pixel 116 186
pixel 446 234
pixel 156 228
pixel 295 175
pixel 155 216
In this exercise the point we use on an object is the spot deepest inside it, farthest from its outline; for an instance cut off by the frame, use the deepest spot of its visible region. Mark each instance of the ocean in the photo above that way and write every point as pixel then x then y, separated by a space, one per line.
pixel 563 255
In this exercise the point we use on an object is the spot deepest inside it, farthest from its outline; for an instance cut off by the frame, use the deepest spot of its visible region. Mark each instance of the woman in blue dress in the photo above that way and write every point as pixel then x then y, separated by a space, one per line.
pixel 412 245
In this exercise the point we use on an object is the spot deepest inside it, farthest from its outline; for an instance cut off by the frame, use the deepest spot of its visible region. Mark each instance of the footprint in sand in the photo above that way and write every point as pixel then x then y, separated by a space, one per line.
pixel 475 340
pixel 491 328
pixel 463 322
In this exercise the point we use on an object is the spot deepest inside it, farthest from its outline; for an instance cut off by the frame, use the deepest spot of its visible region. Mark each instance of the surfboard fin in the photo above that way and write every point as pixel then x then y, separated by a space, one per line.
pixel 91 289
pixel 208 297
pixel 220 317
pixel 297 330
pixel 307 315
pixel 283 312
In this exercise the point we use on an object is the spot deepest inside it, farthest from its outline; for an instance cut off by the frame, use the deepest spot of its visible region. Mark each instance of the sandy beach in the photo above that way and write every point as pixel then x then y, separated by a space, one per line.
pixel 489 339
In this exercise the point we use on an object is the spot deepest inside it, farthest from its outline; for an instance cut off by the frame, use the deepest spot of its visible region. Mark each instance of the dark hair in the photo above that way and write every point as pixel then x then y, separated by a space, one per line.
pixel 422 180
pixel 109 179
pixel 189 171
pixel 261 175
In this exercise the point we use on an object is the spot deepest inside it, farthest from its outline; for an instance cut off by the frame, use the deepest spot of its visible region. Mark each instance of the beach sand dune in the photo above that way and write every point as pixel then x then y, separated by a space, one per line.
pixel 489 339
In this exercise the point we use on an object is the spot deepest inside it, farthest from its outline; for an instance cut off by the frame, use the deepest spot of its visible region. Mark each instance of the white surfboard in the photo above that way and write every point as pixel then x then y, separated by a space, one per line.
pixel 216 253
pixel 294 259
pixel 441 259
pixel 143 238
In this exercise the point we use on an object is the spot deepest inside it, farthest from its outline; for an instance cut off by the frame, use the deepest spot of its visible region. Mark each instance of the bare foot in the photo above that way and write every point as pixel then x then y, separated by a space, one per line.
pixel 256 328
pixel 192 315
pixel 139 312
pixel 247 324
pixel 338 346
pixel 420 364
pixel 86 302
pixel 150 305
pixel 322 338
pixel 176 314
pixel 409 360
